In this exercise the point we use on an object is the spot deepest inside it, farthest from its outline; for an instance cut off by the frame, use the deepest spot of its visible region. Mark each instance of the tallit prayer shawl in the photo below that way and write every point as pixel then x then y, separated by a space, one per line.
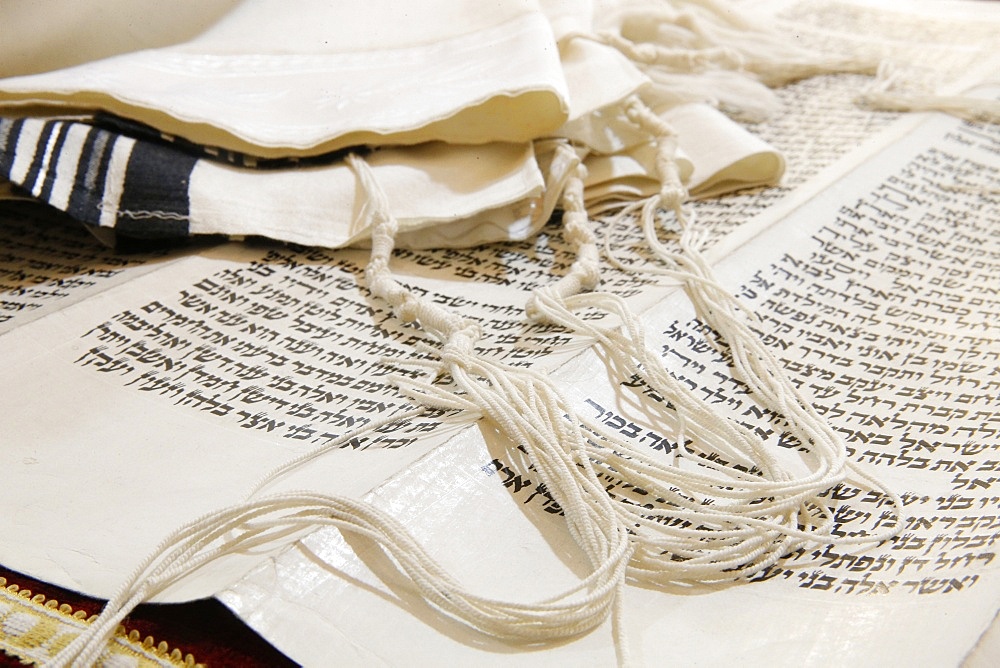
pixel 270 81
pixel 458 123
pixel 139 186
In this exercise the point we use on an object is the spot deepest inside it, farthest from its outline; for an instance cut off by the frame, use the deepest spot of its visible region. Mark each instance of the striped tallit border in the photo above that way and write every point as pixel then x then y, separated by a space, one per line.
pixel 99 177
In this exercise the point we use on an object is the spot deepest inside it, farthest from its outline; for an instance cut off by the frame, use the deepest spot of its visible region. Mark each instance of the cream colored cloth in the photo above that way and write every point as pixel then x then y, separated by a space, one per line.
pixel 273 79
pixel 316 206
pixel 480 81
pixel 715 156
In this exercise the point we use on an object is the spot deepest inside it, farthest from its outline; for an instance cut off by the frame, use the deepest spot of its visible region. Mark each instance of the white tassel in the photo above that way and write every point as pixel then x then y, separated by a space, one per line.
pixel 724 523
pixel 887 93
pixel 524 404
pixel 266 521
pixel 962 106
pixel 709 51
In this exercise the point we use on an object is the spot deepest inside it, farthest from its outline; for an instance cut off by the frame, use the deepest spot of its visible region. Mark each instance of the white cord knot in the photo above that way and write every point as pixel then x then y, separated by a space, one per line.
pixel 672 196
pixel 459 347
pixel 533 309
pixel 408 310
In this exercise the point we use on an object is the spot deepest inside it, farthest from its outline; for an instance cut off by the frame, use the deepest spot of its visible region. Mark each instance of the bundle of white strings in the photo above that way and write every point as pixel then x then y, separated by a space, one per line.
pixel 717 520
pixel 272 520
pixel 889 92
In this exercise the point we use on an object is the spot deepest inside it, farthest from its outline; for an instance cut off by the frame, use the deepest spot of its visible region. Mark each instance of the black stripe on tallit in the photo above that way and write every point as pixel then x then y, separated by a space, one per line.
pixel 91 171
pixel 10 130
pixel 154 201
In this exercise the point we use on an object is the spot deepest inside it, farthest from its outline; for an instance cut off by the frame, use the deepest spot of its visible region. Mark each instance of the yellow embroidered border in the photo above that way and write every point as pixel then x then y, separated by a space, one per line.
pixel 35 629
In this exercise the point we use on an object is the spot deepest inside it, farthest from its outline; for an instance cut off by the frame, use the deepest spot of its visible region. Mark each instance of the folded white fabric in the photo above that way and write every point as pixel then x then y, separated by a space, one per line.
pixel 274 80
pixel 714 156
pixel 469 87
pixel 476 194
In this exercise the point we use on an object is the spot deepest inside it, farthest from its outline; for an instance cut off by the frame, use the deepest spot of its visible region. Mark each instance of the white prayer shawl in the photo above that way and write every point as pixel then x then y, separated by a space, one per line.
pixel 273 80
pixel 254 77
pixel 714 156
pixel 481 83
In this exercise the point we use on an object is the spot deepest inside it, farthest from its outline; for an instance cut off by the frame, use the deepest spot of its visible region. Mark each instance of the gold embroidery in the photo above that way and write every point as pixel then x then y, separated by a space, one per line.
pixel 34 629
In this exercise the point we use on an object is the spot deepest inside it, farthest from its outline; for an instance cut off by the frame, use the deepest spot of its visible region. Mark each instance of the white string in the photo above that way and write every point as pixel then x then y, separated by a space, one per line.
pixel 962 106
pixel 264 521
pixel 890 92
pixel 523 403
pixel 740 522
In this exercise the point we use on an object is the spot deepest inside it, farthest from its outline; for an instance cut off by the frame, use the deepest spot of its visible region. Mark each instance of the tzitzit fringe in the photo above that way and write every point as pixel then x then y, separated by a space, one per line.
pixel 523 403
pixel 271 520
pixel 888 92
pixel 743 521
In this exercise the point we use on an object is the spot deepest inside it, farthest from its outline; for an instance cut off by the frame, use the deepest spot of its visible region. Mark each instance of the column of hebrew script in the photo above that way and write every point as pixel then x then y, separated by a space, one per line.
pixel 286 344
